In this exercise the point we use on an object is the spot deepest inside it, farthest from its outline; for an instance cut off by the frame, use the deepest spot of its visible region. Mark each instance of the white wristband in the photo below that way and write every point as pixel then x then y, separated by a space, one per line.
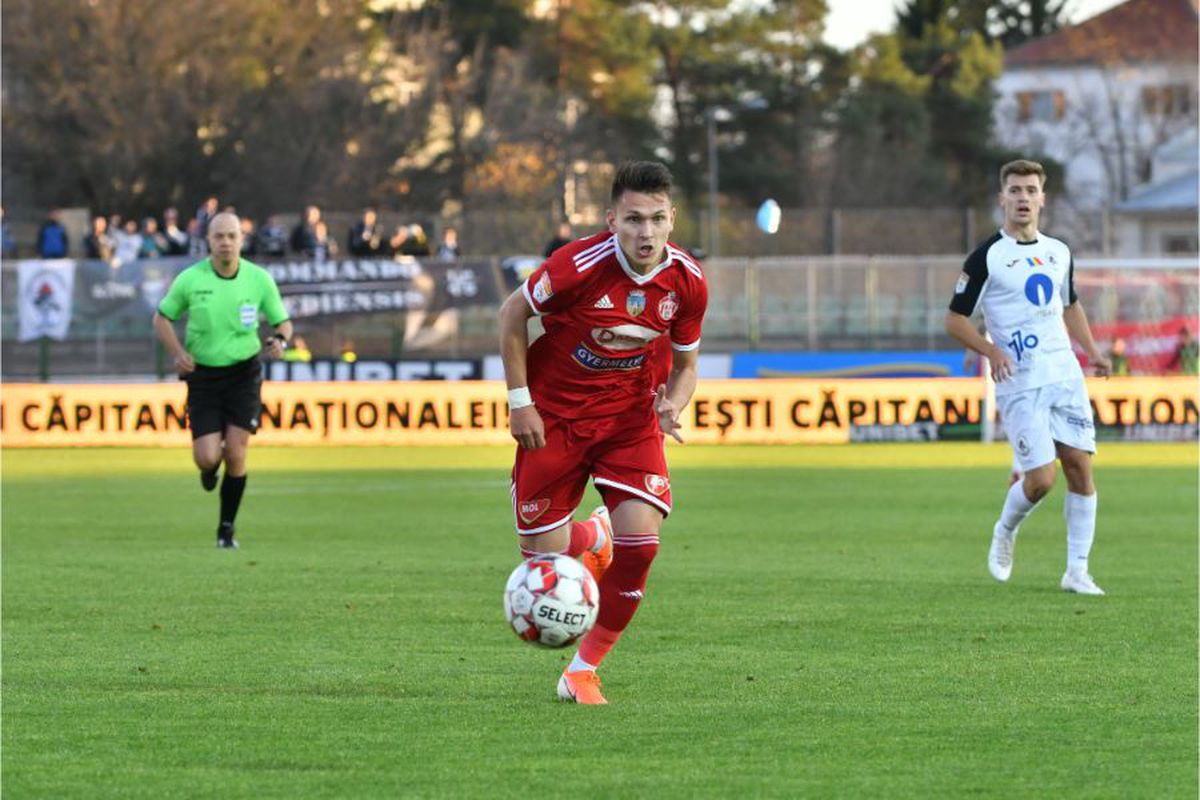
pixel 519 398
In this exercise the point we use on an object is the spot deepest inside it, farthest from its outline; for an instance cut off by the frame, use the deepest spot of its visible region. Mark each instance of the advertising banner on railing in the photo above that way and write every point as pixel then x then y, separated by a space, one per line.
pixel 475 412
pixel 125 295
pixel 45 290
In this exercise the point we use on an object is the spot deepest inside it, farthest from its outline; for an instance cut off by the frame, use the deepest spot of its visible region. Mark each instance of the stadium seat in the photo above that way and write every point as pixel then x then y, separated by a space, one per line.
pixel 829 315
pixel 913 316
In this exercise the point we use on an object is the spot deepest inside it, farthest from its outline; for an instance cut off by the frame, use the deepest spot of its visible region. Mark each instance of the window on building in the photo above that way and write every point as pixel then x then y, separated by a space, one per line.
pixel 1180 243
pixel 1048 106
pixel 1172 100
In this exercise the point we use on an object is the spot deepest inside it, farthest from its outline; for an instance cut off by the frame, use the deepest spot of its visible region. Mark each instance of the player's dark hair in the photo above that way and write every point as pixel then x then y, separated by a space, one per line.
pixel 647 177
pixel 1022 167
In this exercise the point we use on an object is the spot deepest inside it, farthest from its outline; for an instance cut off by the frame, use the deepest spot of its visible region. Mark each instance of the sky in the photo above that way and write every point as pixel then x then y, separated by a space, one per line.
pixel 851 21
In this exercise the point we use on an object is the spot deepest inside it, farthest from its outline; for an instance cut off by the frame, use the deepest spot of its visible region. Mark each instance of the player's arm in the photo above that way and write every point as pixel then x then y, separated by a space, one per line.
pixel 967 293
pixel 165 330
pixel 278 342
pixel 524 422
pixel 959 326
pixel 1075 318
pixel 673 396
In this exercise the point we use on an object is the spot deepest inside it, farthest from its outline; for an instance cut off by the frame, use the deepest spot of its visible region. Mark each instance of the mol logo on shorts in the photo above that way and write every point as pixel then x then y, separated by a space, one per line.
pixel 657 485
pixel 529 510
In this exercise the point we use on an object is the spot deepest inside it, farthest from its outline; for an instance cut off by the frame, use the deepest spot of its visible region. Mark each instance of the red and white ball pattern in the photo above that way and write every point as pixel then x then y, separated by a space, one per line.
pixel 551 600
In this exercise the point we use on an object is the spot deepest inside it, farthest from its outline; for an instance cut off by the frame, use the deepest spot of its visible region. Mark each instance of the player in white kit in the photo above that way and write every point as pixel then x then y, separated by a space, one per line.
pixel 1023 281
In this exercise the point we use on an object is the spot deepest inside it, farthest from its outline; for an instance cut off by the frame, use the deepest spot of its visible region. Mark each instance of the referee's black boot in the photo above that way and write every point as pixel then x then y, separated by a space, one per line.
pixel 209 479
pixel 225 539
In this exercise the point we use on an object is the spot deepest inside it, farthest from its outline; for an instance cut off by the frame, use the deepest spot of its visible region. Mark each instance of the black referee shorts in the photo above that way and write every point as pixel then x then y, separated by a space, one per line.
pixel 222 396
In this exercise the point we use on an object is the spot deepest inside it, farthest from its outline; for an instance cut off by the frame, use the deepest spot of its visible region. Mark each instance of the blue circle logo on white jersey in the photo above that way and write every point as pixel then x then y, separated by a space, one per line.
pixel 1039 289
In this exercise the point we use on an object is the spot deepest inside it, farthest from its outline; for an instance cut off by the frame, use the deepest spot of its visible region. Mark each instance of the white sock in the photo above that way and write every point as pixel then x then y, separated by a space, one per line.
pixel 1016 508
pixel 1080 513
pixel 578 663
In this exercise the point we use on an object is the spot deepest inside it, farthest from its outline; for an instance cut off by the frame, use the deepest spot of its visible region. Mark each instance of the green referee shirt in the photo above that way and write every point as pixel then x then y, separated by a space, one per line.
pixel 222 325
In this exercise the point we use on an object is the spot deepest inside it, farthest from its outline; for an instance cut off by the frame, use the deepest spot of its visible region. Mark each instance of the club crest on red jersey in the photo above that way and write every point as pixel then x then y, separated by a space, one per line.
pixel 532 509
pixel 542 290
pixel 668 306
pixel 657 485
pixel 635 303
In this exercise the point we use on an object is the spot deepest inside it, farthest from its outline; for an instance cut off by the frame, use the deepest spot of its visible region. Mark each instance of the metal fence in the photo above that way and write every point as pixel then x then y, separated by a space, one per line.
pixel 819 303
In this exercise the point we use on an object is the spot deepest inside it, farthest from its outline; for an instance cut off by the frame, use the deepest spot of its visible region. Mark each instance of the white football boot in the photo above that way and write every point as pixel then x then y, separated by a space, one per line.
pixel 1000 554
pixel 1080 583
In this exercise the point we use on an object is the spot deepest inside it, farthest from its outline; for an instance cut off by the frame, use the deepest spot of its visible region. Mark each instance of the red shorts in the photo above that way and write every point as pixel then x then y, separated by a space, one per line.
pixel 623 460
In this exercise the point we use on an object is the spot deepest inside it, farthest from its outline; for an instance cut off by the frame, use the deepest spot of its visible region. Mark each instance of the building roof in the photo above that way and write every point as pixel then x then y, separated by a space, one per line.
pixel 1181 193
pixel 1135 31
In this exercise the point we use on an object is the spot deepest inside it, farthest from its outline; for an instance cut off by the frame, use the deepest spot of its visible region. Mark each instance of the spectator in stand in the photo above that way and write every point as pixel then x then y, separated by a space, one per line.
pixel 1186 357
pixel 366 237
pixel 115 223
pixel 1117 356
pixel 562 237
pixel 304 238
pixel 197 245
pixel 154 242
pixel 128 242
pixel 325 246
pixel 398 244
pixel 249 240
pixel 348 353
pixel 178 243
pixel 417 243
pixel 52 237
pixel 448 247
pixel 204 214
pixel 272 238
pixel 98 244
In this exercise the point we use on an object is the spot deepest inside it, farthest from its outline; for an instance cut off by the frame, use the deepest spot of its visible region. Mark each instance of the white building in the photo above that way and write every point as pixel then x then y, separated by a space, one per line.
pixel 1102 97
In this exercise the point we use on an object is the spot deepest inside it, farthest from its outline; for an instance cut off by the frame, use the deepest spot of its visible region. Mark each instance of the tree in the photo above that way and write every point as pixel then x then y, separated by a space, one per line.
pixel 944 40
pixel 251 100
pixel 884 132
pixel 1012 22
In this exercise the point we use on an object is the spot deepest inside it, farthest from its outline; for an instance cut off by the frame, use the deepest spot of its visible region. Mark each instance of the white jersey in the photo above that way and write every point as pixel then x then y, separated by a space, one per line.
pixel 1023 288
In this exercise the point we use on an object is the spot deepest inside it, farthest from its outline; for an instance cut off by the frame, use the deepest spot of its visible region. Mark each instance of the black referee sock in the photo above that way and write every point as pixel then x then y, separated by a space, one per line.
pixel 231 497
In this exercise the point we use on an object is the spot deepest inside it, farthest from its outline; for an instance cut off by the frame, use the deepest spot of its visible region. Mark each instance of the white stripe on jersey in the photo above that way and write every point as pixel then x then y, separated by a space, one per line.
pixel 685 347
pixel 582 254
pixel 595 258
pixel 686 260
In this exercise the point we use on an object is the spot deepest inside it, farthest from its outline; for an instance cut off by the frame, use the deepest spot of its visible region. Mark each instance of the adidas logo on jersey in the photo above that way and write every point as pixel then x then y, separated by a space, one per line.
pixel 603 302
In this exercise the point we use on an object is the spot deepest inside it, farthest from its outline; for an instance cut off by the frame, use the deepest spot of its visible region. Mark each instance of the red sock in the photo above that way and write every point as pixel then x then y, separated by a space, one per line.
pixel 620 593
pixel 583 538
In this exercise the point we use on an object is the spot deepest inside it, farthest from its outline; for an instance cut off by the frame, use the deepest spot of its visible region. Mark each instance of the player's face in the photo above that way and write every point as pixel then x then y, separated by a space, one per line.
pixel 225 237
pixel 642 223
pixel 1022 200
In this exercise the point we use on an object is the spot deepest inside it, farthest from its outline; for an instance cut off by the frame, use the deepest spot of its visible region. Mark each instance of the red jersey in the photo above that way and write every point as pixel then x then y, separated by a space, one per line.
pixel 606 348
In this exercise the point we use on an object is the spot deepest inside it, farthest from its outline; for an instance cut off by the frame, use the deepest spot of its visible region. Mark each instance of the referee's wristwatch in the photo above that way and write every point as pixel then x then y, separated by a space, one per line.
pixel 279 337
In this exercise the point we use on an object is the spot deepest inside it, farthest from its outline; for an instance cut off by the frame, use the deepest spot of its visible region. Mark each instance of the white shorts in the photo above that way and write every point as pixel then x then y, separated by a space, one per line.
pixel 1037 418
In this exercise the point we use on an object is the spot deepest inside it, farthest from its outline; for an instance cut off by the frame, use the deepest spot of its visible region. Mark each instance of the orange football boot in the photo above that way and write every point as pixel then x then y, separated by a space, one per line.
pixel 597 563
pixel 581 687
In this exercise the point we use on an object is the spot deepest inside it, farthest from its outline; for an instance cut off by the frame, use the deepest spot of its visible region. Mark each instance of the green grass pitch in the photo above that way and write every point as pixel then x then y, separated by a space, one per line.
pixel 819 623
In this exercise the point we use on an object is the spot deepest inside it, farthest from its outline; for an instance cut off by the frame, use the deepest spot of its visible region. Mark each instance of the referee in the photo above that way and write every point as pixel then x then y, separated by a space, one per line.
pixel 223 296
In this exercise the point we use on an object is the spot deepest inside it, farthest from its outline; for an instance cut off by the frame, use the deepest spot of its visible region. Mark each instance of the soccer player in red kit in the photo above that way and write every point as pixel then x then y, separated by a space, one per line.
pixel 595 394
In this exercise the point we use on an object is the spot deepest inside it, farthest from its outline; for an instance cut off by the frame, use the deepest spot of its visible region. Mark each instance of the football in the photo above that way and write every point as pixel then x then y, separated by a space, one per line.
pixel 551 600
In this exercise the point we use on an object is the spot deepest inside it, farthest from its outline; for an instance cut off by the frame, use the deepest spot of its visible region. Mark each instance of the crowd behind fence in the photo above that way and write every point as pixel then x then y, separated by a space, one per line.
pixel 447 308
